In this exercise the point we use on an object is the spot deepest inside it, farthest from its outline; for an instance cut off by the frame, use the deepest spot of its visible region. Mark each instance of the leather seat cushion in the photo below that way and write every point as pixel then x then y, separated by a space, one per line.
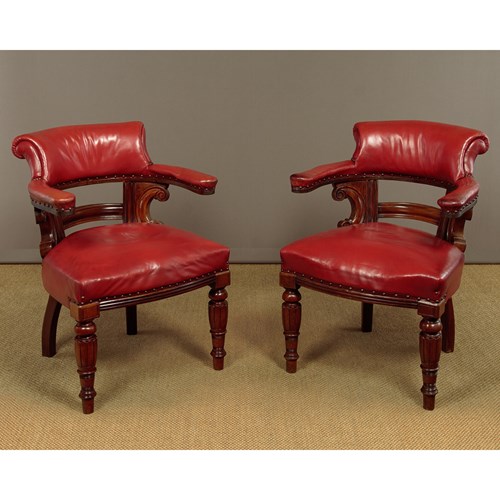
pixel 379 257
pixel 114 260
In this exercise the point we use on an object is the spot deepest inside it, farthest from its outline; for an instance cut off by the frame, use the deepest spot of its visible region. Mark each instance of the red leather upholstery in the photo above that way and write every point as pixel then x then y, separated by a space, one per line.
pixel 115 260
pixel 466 191
pixel 190 179
pixel 74 152
pixel 380 258
pixel 424 149
pixel 435 151
pixel 320 175
pixel 65 154
pixel 42 193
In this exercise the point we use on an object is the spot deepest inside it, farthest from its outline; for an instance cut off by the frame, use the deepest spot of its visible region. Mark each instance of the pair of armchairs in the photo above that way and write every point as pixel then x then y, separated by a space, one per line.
pixel 139 260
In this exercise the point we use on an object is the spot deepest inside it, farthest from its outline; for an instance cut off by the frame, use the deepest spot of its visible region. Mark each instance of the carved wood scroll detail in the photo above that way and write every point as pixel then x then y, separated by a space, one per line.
pixel 363 197
pixel 138 199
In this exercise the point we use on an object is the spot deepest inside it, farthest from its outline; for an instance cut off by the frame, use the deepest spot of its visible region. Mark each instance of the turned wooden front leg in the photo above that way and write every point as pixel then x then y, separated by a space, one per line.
pixel 217 315
pixel 430 351
pixel 86 354
pixel 291 314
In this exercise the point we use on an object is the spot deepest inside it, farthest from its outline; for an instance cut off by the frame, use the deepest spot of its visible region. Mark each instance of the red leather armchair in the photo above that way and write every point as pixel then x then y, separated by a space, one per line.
pixel 118 265
pixel 381 263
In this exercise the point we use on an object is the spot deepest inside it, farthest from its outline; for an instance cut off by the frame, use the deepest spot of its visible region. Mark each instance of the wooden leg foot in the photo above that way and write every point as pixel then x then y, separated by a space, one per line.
pixel 217 315
pixel 291 315
pixel 429 402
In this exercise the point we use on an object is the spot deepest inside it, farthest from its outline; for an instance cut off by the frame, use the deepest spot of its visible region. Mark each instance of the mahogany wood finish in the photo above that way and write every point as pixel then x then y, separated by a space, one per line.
pixel 49 328
pixel 448 331
pixel 217 313
pixel 363 198
pixel 357 181
pixel 131 316
pixel 86 355
pixel 143 182
pixel 291 312
pixel 86 350
pixel 366 317
pixel 430 349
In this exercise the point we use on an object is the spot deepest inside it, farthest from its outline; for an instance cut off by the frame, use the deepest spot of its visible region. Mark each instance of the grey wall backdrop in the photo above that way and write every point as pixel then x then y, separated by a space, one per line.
pixel 250 118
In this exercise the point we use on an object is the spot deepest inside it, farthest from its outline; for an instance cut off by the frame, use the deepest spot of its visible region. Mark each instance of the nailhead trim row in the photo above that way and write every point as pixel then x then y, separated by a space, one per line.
pixel 463 207
pixel 362 290
pixel 329 179
pixel 64 211
pixel 354 177
pixel 213 273
pixel 151 177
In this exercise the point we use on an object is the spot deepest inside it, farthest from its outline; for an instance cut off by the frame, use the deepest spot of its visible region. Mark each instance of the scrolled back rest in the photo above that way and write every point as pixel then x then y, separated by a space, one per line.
pixel 421 149
pixel 70 153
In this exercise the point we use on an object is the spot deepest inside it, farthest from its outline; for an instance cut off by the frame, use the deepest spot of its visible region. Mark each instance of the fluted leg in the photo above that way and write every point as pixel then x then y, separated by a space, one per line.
pixel 217 315
pixel 448 320
pixel 131 316
pixel 430 351
pixel 291 314
pixel 86 354
pixel 366 317
pixel 49 329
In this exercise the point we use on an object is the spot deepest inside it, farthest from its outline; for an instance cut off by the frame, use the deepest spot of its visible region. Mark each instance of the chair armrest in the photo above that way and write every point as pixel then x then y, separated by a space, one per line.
pixel 195 181
pixel 50 199
pixel 316 177
pixel 462 198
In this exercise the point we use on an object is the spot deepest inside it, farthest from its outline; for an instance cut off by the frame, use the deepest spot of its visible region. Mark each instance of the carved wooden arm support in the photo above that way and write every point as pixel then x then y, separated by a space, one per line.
pixel 361 192
pixel 456 209
pixel 363 197
pixel 138 197
pixel 456 230
pixel 461 199
pixel 51 230
pixel 197 182
pixel 50 199
pixel 51 205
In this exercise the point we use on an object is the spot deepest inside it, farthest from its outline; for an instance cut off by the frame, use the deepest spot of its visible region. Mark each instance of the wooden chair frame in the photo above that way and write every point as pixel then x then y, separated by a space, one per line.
pixel 438 324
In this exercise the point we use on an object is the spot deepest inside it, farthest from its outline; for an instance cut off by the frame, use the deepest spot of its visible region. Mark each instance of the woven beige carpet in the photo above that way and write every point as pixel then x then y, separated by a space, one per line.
pixel 157 390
